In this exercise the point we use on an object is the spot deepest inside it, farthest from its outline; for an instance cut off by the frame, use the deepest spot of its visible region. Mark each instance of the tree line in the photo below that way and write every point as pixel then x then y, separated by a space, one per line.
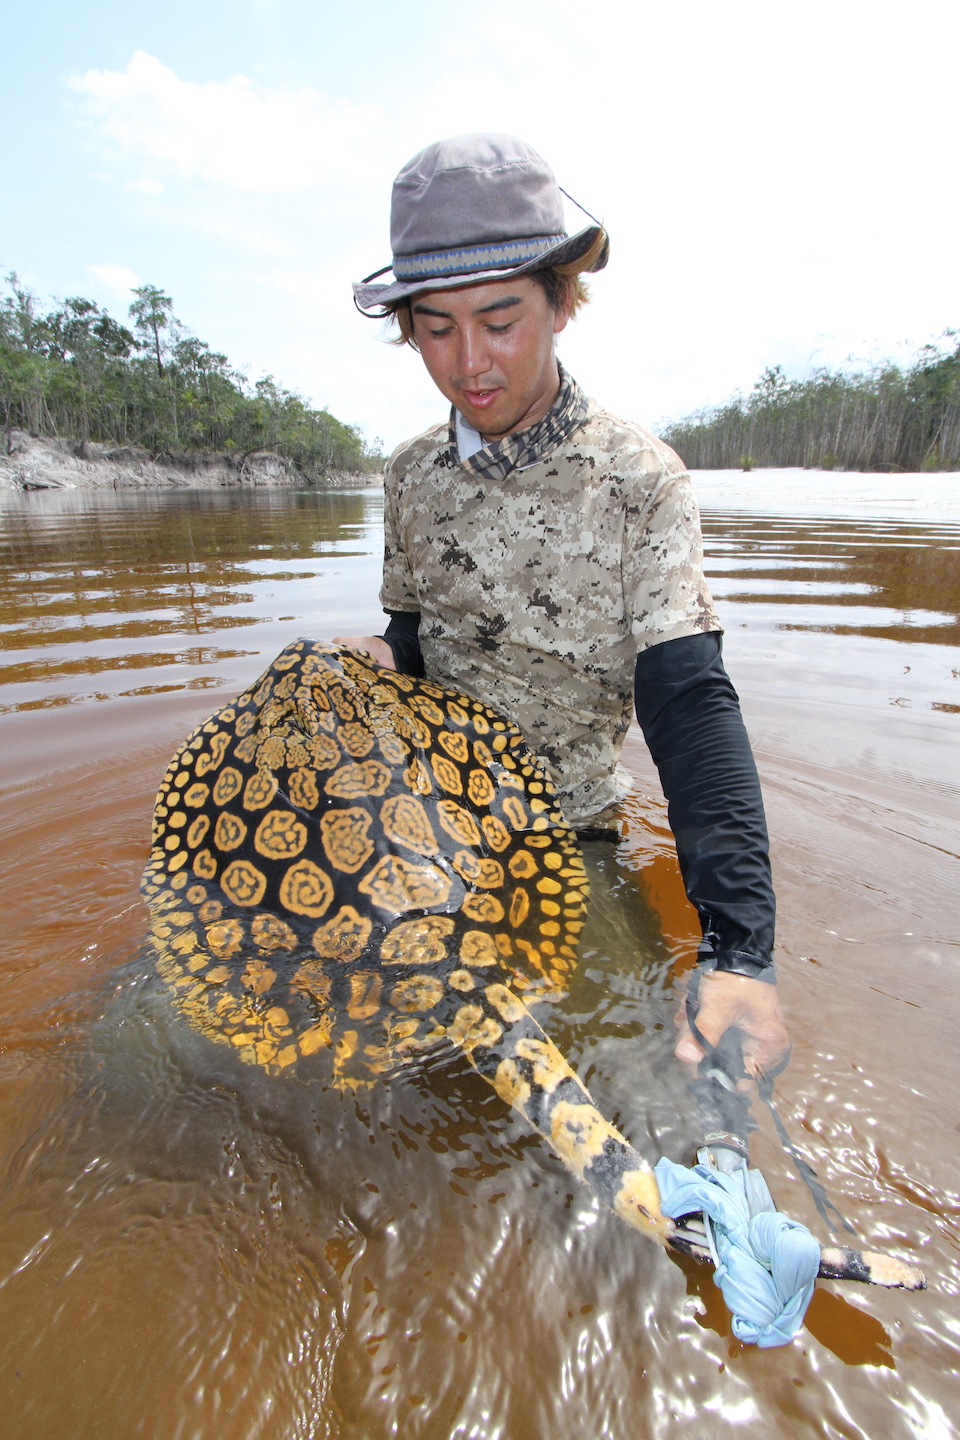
pixel 71 370
pixel 888 418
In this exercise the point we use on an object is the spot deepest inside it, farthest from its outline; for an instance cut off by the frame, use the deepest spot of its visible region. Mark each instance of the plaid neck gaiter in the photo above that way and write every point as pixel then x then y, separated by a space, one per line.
pixel 496 460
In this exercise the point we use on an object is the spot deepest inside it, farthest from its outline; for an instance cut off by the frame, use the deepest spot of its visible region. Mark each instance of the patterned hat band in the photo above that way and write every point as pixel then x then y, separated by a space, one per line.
pixel 468 260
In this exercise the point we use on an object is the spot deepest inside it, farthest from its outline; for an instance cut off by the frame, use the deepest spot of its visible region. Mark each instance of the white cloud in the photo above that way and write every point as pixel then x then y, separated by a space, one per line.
pixel 116 279
pixel 235 133
pixel 772 193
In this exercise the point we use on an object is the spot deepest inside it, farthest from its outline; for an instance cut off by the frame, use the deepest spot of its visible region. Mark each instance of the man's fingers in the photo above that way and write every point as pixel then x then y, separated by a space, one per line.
pixel 686 1048
pixel 374 644
pixel 726 1001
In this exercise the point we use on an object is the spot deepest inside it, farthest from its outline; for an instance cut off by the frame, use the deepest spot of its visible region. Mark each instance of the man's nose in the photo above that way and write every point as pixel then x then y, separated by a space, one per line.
pixel 474 353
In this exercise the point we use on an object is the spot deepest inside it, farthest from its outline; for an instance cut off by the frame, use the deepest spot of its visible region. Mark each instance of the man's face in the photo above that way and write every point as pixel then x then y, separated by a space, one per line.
pixel 489 350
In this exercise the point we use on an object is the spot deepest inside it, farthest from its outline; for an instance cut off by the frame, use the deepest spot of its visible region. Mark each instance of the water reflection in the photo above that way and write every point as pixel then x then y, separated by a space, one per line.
pixel 188 1250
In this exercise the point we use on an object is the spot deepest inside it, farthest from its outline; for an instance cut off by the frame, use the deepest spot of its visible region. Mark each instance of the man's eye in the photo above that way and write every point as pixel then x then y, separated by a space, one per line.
pixel 499 329
pixel 444 331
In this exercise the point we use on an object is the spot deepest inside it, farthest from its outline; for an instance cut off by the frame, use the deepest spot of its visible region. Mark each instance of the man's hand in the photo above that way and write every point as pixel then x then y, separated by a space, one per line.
pixel 752 1006
pixel 376 645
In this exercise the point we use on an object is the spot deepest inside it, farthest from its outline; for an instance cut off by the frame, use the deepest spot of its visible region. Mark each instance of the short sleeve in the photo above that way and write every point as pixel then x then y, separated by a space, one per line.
pixel 399 590
pixel 665 592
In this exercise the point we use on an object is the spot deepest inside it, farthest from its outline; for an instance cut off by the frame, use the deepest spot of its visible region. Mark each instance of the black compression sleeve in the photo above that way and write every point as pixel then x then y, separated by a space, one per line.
pixel 690 716
pixel 403 637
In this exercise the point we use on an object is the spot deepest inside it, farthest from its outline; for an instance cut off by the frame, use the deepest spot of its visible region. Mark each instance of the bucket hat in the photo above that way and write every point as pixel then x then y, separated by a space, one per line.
pixel 474 207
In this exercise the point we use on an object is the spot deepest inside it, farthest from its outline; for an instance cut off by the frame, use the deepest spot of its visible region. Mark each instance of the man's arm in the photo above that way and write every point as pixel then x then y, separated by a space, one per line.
pixel 398 648
pixel 690 716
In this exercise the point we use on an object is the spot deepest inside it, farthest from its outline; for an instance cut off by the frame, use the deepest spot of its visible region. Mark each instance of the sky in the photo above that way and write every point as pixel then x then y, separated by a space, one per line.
pixel 779 181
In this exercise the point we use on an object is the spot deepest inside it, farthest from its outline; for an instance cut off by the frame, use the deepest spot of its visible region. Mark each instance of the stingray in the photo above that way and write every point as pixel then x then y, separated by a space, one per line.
pixel 351 866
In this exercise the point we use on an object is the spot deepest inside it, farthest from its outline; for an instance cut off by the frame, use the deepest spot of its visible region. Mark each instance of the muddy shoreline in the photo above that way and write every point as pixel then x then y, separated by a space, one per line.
pixel 32 462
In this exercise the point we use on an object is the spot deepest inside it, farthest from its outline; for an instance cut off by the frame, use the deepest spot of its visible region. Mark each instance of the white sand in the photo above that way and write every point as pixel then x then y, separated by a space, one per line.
pixel 830 492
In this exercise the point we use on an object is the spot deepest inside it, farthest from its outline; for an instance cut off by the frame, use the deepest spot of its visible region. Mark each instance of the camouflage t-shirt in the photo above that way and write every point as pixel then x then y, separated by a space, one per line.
pixel 537 592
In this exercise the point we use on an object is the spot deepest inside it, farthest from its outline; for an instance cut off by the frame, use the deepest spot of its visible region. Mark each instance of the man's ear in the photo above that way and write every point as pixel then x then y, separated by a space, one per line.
pixel 562 313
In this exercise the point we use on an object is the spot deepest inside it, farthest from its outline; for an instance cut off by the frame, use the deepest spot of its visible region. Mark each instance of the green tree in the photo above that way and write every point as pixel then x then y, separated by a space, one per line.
pixel 152 314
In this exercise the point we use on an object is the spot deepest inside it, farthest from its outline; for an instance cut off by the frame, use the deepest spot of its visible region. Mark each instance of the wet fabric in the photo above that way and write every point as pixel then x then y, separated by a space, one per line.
pixel 690 716
pixel 537 592
pixel 766 1262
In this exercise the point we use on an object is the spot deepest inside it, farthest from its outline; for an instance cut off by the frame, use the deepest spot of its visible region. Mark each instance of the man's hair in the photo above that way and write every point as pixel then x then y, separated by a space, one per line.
pixel 556 281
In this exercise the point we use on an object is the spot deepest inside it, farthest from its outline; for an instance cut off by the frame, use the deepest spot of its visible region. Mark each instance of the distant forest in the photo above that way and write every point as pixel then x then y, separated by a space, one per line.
pixel 886 418
pixel 71 370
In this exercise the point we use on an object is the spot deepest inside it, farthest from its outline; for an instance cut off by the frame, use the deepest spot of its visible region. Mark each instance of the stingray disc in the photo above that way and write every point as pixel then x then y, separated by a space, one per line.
pixel 343 854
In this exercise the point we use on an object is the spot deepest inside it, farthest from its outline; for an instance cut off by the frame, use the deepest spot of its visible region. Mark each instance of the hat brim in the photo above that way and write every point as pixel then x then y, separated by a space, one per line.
pixel 371 298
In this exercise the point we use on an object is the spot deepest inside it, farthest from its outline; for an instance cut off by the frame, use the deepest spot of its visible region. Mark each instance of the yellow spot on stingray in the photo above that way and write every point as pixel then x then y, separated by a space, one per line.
pixel 306 889
pixel 178 862
pixel 578 1133
pixel 225 938
pixel 461 980
pixel 354 780
pixel 271 933
pixel 406 823
pixel 303 789
pixel 472 1028
pixel 317 1036
pixel 510 1085
pixel 355 739
pixel 506 1004
pixel 364 995
pixel 522 866
pixel 280 836
pixel 458 822
pixel 484 909
pixel 229 783
pixel 549 1066
pixel 197 832
pixel 258 977
pixel 515 813
pixel 548 886
pixel 259 790
pixel 417 942
pixel 455 746
pixel 495 832
pixel 477 948
pixel 483 871
pixel 519 907
pixel 344 936
pixel 243 883
pixel 638 1202
pixel 447 774
pixel 417 778
pixel 218 748
pixel 230 831
pixel 346 841
pixel 397 884
pixel 480 788
pixel 417 994
pixel 204 865
pixel 177 820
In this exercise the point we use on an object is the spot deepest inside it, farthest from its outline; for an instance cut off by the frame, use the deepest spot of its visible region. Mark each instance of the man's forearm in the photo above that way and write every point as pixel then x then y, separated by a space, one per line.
pixel 402 635
pixel 690 716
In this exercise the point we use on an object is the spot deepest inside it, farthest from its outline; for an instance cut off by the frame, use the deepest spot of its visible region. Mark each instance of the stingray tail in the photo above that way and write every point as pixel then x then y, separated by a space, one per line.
pixel 508 1048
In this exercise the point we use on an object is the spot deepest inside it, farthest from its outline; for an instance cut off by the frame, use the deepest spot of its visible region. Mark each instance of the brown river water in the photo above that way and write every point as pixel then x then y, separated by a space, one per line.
pixel 190 1251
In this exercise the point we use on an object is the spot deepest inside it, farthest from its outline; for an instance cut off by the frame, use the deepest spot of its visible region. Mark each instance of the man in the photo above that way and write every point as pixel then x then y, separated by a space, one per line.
pixel 545 556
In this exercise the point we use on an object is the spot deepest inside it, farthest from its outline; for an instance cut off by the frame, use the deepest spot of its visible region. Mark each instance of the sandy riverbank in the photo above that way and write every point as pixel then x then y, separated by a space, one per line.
pixel 830 492
pixel 38 463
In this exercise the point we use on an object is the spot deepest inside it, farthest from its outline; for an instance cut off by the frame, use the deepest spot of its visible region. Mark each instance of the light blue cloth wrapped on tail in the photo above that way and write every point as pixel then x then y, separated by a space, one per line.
pixel 766 1262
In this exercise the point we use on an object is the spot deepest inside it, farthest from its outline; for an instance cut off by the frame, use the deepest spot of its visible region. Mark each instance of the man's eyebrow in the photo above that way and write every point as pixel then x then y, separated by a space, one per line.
pixel 506 303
